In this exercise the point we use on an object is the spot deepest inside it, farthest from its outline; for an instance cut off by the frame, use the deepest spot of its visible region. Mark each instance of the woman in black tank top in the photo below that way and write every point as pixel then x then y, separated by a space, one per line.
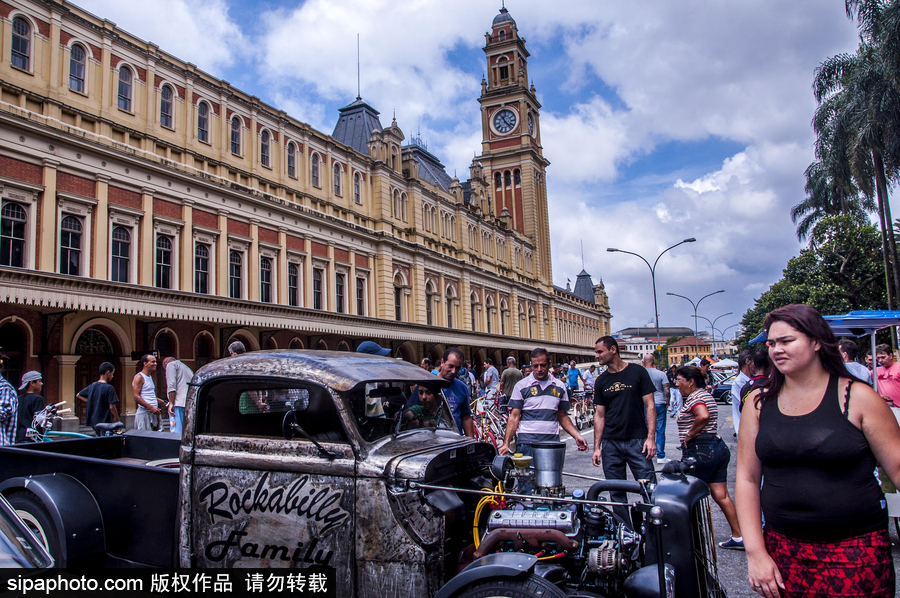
pixel 812 438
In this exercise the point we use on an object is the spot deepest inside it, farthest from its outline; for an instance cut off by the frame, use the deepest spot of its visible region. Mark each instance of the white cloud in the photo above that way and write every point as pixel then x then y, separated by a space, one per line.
pixel 199 31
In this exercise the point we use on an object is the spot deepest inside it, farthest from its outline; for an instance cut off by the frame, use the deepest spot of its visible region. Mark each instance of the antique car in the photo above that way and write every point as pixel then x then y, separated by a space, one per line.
pixel 308 458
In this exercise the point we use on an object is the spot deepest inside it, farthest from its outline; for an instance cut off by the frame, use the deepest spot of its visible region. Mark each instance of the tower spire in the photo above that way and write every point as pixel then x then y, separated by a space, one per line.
pixel 358 86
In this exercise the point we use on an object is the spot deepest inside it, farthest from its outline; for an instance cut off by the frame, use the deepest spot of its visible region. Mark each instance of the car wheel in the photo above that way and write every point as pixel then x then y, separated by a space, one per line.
pixel 726 398
pixel 38 520
pixel 528 586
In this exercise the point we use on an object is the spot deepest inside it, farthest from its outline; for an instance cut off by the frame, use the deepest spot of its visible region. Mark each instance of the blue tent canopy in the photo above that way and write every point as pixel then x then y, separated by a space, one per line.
pixel 855 323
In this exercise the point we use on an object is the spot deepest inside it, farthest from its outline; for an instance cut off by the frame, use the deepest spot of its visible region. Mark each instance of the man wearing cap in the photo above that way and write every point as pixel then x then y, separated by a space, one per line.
pixel 372 348
pixel 30 402
pixel 101 398
pixel 9 405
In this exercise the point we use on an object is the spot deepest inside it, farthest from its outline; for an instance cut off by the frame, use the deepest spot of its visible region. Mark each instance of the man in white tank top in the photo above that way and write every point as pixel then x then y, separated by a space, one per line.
pixel 147 416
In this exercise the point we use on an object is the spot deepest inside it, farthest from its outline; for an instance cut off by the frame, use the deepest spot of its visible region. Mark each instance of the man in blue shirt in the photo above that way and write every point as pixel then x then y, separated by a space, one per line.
pixel 457 394
pixel 574 376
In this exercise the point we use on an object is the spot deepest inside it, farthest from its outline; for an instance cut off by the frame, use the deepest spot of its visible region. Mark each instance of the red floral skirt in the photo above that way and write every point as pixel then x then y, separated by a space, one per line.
pixel 858 566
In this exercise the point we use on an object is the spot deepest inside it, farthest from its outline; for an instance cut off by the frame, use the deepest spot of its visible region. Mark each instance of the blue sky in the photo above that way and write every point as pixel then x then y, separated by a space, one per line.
pixel 662 120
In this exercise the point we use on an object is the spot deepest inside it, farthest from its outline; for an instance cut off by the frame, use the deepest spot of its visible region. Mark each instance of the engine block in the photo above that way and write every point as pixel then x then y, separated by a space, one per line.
pixel 562 520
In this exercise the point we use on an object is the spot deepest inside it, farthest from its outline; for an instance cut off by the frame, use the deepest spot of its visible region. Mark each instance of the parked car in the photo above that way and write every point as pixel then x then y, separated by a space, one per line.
pixel 721 387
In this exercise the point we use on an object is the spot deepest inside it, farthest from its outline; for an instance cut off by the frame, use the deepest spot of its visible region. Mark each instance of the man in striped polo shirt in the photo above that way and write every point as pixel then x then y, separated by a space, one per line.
pixel 538 406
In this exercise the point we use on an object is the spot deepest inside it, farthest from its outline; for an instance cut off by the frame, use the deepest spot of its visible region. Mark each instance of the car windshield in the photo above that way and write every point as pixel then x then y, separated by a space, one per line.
pixel 384 408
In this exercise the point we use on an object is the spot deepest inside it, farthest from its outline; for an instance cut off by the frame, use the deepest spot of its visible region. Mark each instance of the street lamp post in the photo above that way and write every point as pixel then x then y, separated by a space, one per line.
pixel 729 328
pixel 695 306
pixel 712 325
pixel 653 274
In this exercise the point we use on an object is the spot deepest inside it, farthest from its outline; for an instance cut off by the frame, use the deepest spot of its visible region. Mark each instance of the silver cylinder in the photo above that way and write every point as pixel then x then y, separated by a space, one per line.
pixel 549 458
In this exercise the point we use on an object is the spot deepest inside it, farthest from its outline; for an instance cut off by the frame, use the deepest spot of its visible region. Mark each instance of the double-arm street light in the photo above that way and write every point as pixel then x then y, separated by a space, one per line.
pixel 695 306
pixel 712 325
pixel 653 275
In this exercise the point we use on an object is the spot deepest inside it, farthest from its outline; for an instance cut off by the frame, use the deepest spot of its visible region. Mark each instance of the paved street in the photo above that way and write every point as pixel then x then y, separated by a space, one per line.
pixel 732 564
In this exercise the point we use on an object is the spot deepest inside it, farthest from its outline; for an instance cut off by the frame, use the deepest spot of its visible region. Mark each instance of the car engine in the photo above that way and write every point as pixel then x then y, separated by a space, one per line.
pixel 584 543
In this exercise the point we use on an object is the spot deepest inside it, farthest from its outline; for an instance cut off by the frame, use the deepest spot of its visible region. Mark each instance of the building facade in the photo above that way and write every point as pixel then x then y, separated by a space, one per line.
pixel 148 206
pixel 687 349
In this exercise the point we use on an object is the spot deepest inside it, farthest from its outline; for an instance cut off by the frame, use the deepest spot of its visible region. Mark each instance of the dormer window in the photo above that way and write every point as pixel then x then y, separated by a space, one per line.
pixel 502 35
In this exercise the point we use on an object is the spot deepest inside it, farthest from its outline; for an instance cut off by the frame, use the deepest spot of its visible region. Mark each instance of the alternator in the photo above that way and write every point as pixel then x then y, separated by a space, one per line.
pixel 604 559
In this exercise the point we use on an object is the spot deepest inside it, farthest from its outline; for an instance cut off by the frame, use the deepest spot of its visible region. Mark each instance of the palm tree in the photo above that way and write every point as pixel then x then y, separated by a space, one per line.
pixel 826 196
pixel 859 105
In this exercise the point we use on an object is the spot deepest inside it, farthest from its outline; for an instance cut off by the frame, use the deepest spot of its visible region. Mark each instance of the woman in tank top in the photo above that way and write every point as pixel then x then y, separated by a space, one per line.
pixel 811 436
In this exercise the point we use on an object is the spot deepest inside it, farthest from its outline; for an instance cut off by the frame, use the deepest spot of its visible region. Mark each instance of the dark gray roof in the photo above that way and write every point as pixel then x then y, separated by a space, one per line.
pixel 355 125
pixel 503 17
pixel 430 168
pixel 584 287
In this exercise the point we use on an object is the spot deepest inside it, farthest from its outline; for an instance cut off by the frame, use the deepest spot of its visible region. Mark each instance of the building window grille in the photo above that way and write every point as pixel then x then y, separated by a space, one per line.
pixel 264 149
pixel 236 135
pixel 21 44
pixel 121 254
pixel 361 296
pixel 12 235
pixel 77 68
pixel 235 271
pixel 293 286
pixel 317 288
pixel 165 107
pixel 70 245
pixel 125 88
pixel 339 293
pixel 292 160
pixel 203 122
pixel 201 269
pixel 265 280
pixel 164 262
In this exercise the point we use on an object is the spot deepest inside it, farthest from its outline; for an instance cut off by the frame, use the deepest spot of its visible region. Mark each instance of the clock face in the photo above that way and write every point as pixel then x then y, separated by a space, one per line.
pixel 505 121
pixel 530 125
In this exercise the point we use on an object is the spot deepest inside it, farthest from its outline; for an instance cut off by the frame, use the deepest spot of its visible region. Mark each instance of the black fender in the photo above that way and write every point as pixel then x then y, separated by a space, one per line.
pixel 502 564
pixel 72 508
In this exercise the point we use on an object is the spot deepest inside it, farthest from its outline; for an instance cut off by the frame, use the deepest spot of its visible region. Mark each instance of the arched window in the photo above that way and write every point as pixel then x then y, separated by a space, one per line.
pixel 317 288
pixel 264 148
pixel 121 254
pixel 517 176
pixel 236 135
pixel 166 109
pixel 396 204
pixel 292 159
pixel 201 269
pixel 473 303
pixel 339 283
pixel 21 44
pixel 12 235
pixel 265 280
pixel 293 285
pixel 403 204
pixel 426 216
pixel 315 169
pixel 337 179
pixel 235 270
pixel 429 304
pixel 203 122
pixel 164 262
pixel 357 194
pixel 398 299
pixel 70 245
pixel 202 350
pixel 453 228
pixel 125 88
pixel 498 180
pixel 502 35
pixel 77 67
pixel 507 178
pixel 449 295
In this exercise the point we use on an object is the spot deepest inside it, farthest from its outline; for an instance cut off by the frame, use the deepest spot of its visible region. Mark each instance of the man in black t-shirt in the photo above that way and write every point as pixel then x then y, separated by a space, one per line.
pixel 624 420
pixel 101 398
pixel 30 402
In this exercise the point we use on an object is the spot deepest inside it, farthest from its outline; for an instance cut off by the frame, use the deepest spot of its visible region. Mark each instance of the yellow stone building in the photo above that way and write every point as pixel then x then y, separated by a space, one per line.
pixel 147 205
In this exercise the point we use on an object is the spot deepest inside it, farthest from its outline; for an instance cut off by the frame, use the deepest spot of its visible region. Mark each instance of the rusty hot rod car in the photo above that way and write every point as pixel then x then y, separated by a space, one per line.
pixel 297 458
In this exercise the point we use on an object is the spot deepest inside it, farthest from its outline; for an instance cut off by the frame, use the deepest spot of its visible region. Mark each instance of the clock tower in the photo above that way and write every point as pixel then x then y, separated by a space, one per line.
pixel 512 156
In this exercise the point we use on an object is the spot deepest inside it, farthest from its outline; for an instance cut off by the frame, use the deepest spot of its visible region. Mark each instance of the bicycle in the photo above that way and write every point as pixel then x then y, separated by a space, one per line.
pixel 489 421
pixel 582 409
pixel 41 429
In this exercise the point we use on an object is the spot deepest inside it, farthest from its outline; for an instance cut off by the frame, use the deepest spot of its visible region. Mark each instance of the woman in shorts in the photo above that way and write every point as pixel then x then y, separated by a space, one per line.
pixel 698 426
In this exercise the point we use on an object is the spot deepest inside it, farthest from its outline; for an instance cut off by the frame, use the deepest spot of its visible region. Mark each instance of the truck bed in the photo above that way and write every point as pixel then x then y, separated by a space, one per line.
pixel 139 502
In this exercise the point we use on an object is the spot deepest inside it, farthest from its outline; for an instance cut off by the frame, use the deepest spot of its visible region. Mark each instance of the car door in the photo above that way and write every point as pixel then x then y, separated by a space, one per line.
pixel 259 500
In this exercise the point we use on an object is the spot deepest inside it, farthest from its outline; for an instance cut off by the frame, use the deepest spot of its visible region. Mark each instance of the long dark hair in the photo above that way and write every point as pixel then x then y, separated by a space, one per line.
pixel 810 322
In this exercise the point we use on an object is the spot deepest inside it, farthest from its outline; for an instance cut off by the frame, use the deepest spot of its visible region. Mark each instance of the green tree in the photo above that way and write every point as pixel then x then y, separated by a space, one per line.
pixel 662 354
pixel 840 271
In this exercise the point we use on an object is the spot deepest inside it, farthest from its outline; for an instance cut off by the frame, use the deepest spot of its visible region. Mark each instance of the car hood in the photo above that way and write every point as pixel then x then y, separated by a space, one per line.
pixel 428 456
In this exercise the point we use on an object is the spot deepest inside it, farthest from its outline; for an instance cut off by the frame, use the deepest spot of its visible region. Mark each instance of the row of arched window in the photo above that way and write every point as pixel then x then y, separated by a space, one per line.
pixel 508 178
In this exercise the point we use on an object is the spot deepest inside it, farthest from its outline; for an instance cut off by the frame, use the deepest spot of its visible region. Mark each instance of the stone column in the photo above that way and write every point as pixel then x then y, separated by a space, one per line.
pixel 308 274
pixel 282 267
pixel 102 250
pixel 350 285
pixel 383 282
pixel 148 243
pixel 187 246
pixel 514 314
pixel 417 283
pixel 440 310
pixel 253 265
pixel 106 91
pixel 125 371
pixel 465 303
pixel 329 282
pixel 222 255
pixel 55 51
pixel 67 390
pixel 48 218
